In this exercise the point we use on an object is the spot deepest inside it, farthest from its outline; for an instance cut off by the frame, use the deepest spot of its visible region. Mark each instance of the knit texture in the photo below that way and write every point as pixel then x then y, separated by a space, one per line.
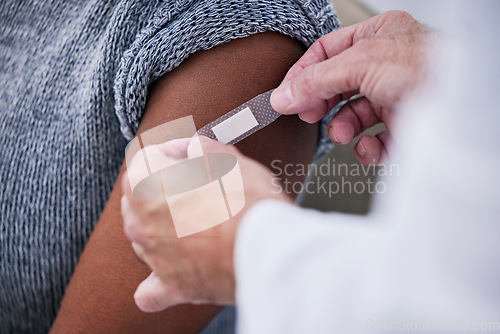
pixel 74 77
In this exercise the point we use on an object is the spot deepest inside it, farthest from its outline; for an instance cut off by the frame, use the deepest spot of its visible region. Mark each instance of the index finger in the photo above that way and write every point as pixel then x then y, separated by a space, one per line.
pixel 334 43
pixel 324 48
pixel 141 180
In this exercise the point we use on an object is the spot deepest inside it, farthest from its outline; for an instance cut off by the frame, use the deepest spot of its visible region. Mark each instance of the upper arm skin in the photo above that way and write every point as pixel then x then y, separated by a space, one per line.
pixel 99 298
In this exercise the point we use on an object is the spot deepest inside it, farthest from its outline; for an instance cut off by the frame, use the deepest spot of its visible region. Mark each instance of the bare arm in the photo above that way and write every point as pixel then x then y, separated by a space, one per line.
pixel 99 298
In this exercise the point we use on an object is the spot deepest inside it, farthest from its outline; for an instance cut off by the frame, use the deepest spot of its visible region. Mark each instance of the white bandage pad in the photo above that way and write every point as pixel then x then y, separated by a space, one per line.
pixel 242 121
pixel 235 126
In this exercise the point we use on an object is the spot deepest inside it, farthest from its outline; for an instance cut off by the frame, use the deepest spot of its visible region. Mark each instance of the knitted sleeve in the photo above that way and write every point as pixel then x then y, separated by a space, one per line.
pixel 180 28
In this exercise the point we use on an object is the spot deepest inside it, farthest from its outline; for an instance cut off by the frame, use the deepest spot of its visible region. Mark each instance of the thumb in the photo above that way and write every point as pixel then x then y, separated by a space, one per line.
pixel 153 295
pixel 175 148
pixel 201 145
pixel 319 87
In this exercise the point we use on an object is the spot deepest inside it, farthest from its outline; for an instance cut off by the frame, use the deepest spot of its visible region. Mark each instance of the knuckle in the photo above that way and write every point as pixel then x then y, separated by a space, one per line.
pixel 401 17
pixel 139 250
pixel 308 80
pixel 397 14
pixel 404 15
pixel 154 211
pixel 147 302
pixel 143 226
pixel 152 259
pixel 318 45
pixel 133 230
pixel 366 47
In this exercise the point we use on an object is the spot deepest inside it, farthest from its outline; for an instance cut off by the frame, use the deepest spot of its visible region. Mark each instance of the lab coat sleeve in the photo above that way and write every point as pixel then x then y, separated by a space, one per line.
pixel 302 271
pixel 428 258
pixel 294 266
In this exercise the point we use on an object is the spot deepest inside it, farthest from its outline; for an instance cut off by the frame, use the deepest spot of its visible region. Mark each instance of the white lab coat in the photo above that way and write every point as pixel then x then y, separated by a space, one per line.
pixel 428 257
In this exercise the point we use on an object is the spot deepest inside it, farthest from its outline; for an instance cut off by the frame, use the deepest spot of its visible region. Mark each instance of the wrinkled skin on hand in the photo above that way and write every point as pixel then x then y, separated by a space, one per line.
pixel 198 268
pixel 383 58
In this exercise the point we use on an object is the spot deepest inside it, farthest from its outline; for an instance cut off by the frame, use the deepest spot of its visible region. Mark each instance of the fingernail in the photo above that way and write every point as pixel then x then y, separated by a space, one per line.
pixel 281 98
pixel 195 147
pixel 332 136
pixel 361 149
pixel 309 117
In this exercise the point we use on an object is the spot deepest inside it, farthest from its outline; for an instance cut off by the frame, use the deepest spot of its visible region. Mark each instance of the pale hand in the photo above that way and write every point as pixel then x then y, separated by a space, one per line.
pixel 383 58
pixel 194 269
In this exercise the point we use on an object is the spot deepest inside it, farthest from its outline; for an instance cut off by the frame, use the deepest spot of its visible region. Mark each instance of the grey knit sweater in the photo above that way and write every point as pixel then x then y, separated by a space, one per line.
pixel 73 84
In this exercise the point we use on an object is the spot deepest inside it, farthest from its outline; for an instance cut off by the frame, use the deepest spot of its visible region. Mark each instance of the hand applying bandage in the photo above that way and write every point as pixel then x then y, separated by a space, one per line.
pixel 382 58
pixel 197 268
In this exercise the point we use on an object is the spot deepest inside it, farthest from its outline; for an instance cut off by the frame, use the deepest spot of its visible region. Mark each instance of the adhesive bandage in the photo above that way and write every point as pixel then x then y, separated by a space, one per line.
pixel 182 181
pixel 242 121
